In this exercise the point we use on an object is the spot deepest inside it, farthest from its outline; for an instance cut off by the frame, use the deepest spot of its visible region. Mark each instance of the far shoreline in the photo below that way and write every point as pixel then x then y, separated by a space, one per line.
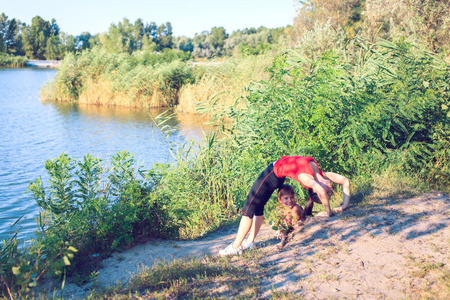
pixel 50 64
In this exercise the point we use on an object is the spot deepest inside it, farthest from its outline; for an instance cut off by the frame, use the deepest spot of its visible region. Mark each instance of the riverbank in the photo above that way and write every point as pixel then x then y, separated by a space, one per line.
pixel 389 247
pixel 50 64
pixel 149 80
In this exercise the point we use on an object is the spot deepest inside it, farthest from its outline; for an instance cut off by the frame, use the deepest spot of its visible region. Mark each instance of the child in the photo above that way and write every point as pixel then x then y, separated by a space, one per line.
pixel 289 214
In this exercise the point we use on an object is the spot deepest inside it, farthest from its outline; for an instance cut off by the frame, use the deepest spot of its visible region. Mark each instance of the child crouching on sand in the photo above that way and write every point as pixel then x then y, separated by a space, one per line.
pixel 289 214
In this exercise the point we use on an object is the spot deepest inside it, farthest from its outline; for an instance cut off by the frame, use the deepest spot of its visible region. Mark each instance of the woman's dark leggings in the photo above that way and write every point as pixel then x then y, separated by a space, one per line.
pixel 260 193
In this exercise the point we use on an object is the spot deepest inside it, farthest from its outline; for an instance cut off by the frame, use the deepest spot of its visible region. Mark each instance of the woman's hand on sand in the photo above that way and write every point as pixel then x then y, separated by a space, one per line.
pixel 338 209
pixel 323 214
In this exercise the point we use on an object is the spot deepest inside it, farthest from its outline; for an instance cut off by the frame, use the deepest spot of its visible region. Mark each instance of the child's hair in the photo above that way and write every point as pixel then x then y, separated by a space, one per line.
pixel 285 189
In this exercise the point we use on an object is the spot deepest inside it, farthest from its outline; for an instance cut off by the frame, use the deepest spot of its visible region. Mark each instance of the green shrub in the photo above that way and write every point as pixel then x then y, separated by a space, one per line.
pixel 96 209
pixel 388 105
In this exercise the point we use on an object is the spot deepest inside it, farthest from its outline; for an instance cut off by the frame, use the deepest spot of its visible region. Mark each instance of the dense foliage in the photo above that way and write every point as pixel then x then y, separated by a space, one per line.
pixel 424 22
pixel 44 39
pixel 152 80
pixel 377 105
pixel 89 209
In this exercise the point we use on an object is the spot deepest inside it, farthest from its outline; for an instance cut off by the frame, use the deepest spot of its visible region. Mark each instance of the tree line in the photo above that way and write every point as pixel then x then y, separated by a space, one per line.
pixel 423 22
pixel 45 40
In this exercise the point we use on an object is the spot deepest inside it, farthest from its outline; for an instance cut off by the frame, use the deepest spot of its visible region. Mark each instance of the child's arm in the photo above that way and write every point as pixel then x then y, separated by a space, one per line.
pixel 297 213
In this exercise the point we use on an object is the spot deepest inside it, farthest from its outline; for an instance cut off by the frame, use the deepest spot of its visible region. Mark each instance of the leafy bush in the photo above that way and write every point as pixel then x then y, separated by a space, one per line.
pixel 96 209
pixel 86 209
pixel 22 267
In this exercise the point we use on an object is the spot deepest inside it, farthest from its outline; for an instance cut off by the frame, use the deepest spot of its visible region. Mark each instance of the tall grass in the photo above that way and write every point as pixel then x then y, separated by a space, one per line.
pixel 151 80
pixel 223 84
pixel 12 61
pixel 388 104
pixel 138 80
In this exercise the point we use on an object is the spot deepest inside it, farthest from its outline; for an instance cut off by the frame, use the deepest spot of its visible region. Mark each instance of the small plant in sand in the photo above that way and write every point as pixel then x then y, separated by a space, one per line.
pixel 282 223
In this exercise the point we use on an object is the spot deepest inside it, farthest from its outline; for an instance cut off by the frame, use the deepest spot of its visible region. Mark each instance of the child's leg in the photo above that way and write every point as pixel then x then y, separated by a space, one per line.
pixel 285 238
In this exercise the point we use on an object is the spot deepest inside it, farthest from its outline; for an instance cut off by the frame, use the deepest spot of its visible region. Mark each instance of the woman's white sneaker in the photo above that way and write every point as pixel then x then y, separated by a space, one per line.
pixel 230 250
pixel 246 246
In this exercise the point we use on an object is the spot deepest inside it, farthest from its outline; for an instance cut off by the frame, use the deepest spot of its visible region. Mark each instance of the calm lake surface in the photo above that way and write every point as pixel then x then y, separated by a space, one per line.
pixel 33 131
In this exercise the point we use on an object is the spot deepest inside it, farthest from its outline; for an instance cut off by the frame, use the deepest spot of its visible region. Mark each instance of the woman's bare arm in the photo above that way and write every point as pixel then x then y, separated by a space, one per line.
pixel 308 181
pixel 345 182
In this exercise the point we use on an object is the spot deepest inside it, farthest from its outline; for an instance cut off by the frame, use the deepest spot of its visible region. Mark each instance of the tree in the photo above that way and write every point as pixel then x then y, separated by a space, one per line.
pixel 217 37
pixel 112 41
pixel 250 30
pixel 419 21
pixel 148 45
pixel 51 50
pixel 138 33
pixel 344 13
pixel 82 41
pixel 164 33
pixel 185 44
pixel 36 35
pixel 125 31
pixel 8 32
pixel 67 45
pixel 150 30
pixel 54 28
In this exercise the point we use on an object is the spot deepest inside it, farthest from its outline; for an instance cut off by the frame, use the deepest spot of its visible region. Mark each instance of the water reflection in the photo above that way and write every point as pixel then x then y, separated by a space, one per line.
pixel 34 131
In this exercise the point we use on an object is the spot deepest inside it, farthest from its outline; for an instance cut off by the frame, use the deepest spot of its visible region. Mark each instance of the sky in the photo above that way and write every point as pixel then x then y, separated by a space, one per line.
pixel 186 16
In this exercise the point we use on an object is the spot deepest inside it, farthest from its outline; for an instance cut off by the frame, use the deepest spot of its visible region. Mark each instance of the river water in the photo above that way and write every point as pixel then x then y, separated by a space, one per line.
pixel 33 131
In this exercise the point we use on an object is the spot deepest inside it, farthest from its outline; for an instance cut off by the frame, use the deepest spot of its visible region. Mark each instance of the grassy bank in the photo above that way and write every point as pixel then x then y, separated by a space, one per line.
pixel 365 110
pixel 151 80
pixel 140 80
pixel 11 61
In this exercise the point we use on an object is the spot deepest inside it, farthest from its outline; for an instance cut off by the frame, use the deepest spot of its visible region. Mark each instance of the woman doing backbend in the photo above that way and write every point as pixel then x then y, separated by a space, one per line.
pixel 303 169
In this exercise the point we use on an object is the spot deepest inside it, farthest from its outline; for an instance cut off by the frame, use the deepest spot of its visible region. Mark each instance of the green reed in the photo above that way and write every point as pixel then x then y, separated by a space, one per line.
pixel 386 105
pixel 12 61
pixel 141 79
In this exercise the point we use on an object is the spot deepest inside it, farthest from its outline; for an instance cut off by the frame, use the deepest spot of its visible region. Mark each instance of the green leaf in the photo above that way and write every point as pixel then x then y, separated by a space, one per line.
pixel 66 260
pixel 16 270
pixel 73 249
